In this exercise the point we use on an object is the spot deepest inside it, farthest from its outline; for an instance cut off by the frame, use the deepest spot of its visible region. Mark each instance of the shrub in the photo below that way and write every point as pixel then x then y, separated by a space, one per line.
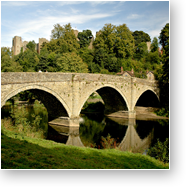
pixel 160 151
pixel 19 122
pixel 108 142
pixel 162 112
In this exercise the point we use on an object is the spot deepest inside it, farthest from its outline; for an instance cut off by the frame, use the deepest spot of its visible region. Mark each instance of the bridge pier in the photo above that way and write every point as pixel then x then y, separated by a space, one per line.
pixel 66 121
pixel 123 114
pixel 132 114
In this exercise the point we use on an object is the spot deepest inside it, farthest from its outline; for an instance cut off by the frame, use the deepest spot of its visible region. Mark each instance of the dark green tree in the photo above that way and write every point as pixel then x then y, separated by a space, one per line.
pixel 85 38
pixel 140 36
pixel 164 79
pixel 28 60
pixel 141 50
pixel 154 45
pixel 31 45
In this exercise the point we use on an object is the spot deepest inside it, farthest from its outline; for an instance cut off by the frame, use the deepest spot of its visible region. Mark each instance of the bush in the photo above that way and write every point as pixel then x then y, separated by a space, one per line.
pixel 20 123
pixel 162 112
pixel 160 151
pixel 108 142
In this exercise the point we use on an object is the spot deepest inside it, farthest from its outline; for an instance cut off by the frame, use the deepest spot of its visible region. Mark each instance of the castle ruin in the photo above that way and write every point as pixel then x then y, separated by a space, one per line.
pixel 17 43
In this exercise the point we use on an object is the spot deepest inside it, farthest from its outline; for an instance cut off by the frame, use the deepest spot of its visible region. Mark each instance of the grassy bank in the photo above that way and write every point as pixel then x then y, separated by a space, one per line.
pixel 21 152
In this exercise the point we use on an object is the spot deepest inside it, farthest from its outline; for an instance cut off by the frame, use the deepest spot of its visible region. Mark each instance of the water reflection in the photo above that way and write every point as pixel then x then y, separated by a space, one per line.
pixel 129 134
pixel 65 134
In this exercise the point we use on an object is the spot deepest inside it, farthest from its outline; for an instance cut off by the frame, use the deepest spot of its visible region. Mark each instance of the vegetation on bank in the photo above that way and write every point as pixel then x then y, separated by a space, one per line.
pixel 21 152
pixel 20 121
pixel 18 131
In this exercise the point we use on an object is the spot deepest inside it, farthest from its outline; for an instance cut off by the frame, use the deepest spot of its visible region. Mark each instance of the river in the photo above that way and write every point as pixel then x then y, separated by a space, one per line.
pixel 97 131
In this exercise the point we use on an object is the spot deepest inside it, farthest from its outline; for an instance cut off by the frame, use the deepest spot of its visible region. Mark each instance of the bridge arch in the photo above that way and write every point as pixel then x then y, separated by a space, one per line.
pixel 53 98
pixel 110 94
pixel 149 97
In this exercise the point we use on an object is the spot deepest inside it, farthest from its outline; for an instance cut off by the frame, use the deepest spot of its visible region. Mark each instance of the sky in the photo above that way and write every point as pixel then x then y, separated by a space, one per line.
pixel 35 19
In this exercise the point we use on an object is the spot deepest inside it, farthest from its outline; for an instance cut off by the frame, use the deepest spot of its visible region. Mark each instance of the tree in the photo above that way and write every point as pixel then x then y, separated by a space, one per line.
pixel 70 38
pixel 154 45
pixel 141 50
pixel 124 42
pixel 71 62
pixel 57 32
pixel 31 45
pixel 112 44
pixel 140 36
pixel 56 45
pixel 85 38
pixel 7 62
pixel 153 58
pixel 164 79
pixel 87 56
pixel 164 41
pixel 28 60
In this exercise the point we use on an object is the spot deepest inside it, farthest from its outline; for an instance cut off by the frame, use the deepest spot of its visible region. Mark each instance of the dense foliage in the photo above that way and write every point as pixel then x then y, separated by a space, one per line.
pixel 114 47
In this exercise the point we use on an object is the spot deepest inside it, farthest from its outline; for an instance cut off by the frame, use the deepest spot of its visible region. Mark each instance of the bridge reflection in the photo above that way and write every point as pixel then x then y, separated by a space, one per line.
pixel 130 142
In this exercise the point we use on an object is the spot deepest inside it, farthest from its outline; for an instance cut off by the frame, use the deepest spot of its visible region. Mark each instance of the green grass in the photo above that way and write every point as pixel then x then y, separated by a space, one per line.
pixel 21 152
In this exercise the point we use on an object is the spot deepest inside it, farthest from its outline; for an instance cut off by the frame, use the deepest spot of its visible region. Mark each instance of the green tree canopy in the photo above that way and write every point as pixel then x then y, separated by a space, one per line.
pixel 7 62
pixel 65 33
pixel 56 45
pixel 112 44
pixel 84 38
pixel 70 38
pixel 71 62
pixel 154 45
pixel 164 79
pixel 31 45
pixel 141 50
pixel 28 60
pixel 140 36
pixel 57 32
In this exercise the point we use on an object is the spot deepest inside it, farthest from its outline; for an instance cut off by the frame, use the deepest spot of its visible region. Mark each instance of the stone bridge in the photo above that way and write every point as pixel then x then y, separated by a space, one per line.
pixel 64 94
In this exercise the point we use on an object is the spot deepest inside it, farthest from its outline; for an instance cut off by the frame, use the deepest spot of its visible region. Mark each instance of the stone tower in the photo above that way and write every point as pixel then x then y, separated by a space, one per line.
pixel 39 45
pixel 16 45
pixel 148 45
pixel 91 43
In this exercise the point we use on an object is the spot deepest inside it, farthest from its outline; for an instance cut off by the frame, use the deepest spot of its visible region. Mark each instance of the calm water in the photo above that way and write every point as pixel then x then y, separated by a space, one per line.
pixel 133 135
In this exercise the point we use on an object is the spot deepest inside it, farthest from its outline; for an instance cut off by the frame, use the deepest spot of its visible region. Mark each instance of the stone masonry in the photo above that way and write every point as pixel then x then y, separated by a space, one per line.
pixel 64 94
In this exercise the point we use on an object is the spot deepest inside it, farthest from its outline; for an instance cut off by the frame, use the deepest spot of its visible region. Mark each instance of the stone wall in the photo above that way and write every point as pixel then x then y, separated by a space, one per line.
pixel 16 45
pixel 70 91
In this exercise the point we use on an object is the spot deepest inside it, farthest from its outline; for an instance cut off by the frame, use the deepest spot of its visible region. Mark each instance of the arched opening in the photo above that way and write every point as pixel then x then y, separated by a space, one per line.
pixel 95 125
pixel 29 111
pixel 54 107
pixel 112 100
pixel 148 99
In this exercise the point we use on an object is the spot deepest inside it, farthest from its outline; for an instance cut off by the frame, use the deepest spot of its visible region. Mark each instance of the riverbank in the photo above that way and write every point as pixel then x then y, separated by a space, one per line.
pixel 142 113
pixel 21 152
pixel 147 113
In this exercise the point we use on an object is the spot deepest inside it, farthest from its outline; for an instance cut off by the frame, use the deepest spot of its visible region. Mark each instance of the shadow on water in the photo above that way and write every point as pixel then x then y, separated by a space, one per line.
pixel 128 134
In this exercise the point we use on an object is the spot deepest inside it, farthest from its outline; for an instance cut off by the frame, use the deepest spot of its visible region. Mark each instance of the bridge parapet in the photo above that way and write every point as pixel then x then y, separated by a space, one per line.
pixel 71 90
pixel 32 77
